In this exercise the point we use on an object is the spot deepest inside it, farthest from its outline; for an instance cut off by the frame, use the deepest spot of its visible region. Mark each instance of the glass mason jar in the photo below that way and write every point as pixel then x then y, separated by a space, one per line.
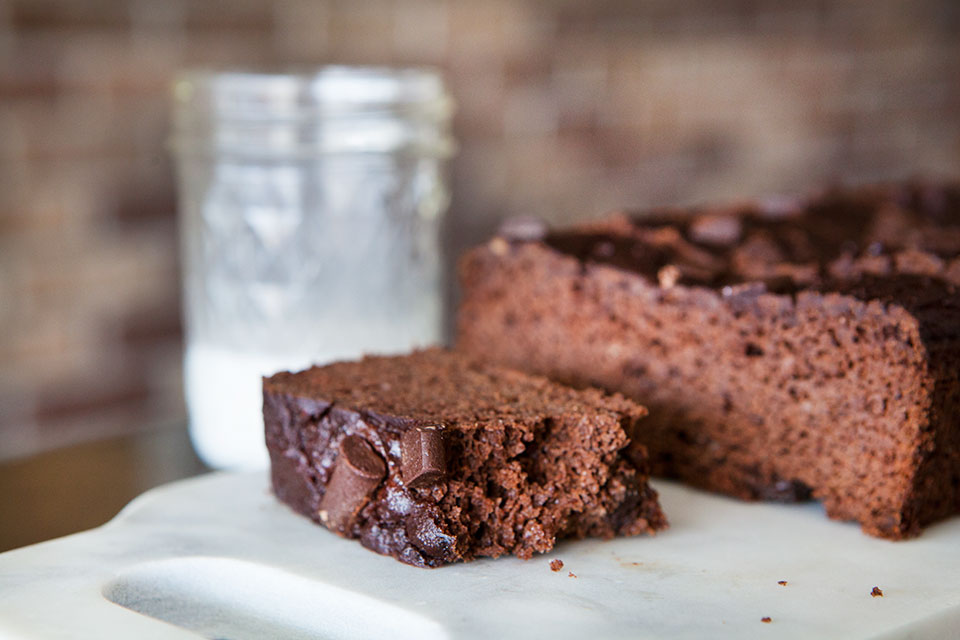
pixel 310 209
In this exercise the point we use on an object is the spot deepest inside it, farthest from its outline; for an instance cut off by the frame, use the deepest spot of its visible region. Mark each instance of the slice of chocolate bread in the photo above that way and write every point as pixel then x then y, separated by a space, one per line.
pixel 786 349
pixel 433 458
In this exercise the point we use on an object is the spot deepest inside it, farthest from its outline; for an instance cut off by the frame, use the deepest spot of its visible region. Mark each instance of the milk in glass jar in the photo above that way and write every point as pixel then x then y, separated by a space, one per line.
pixel 310 208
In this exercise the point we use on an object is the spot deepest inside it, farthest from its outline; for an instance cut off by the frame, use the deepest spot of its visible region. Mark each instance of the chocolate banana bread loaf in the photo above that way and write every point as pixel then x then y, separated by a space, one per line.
pixel 433 458
pixel 786 349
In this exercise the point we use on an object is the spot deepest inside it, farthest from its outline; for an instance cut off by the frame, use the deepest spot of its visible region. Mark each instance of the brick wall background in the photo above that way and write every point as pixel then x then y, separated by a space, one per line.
pixel 567 109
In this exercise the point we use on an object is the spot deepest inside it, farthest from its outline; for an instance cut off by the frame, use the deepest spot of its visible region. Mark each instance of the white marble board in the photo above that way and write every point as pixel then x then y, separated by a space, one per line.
pixel 218 557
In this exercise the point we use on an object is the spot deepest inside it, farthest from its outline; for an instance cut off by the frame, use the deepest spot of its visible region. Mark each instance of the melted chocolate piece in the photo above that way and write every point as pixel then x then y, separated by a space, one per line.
pixel 423 457
pixel 358 472
pixel 789 244
pixel 785 491
pixel 427 536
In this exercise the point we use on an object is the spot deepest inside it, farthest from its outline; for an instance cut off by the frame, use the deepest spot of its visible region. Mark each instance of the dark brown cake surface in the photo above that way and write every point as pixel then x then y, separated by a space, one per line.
pixel 434 458
pixel 786 349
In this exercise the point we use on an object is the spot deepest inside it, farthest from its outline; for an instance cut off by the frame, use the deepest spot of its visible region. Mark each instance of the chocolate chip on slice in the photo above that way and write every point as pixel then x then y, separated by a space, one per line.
pixel 422 456
pixel 358 471
pixel 429 537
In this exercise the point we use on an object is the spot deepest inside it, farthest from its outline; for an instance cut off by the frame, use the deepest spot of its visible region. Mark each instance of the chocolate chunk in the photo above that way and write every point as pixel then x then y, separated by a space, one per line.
pixel 716 230
pixel 604 249
pixel 691 255
pixel 358 472
pixel 796 274
pixel 876 593
pixel 890 228
pixel 522 229
pixel 756 257
pixel 780 206
pixel 427 536
pixel 422 456
pixel 785 491
pixel 918 262
pixel 952 273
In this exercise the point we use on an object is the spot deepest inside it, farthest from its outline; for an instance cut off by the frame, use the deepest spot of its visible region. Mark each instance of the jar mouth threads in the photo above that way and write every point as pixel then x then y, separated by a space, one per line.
pixel 335 109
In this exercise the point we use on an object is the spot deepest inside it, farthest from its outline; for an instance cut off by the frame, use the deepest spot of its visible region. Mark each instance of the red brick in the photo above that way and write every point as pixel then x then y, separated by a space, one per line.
pixel 246 16
pixel 157 324
pixel 302 31
pixel 421 31
pixel 361 32
pixel 73 399
pixel 90 14
pixel 565 109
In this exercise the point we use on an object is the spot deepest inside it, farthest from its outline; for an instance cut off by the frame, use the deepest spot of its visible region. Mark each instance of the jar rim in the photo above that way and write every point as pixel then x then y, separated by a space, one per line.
pixel 298 93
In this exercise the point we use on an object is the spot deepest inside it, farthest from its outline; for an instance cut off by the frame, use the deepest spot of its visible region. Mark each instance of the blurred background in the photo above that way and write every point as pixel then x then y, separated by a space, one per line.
pixel 565 110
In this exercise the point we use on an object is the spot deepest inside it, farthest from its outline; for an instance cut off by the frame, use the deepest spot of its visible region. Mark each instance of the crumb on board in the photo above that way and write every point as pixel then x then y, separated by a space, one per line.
pixel 571 575
pixel 556 565
pixel 782 583
pixel 876 593
pixel 766 619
